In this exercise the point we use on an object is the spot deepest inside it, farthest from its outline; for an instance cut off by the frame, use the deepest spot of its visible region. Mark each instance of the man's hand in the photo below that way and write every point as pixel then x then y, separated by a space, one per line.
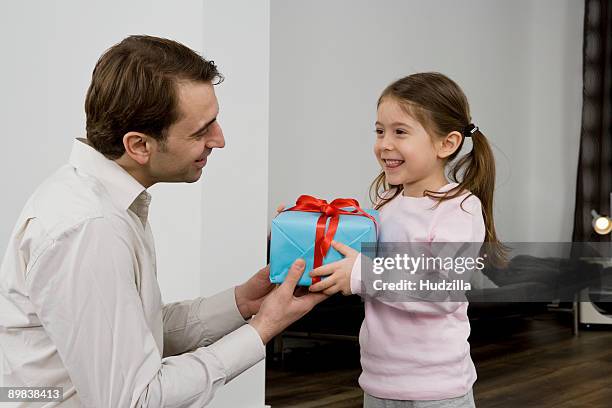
pixel 338 273
pixel 251 294
pixel 281 307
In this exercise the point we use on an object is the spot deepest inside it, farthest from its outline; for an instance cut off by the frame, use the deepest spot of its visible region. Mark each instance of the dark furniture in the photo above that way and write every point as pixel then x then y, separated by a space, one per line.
pixel 526 280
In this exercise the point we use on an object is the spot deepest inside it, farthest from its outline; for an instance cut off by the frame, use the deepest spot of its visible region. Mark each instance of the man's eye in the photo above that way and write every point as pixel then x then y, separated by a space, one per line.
pixel 201 134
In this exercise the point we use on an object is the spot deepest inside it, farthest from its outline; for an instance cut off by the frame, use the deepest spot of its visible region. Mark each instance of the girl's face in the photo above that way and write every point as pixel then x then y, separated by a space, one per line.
pixel 405 150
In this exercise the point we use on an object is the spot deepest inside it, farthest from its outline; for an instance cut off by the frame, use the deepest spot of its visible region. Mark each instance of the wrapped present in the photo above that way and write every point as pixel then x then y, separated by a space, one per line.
pixel 307 230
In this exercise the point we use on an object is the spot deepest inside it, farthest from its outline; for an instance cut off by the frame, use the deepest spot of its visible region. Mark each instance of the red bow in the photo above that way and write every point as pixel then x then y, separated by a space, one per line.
pixel 331 210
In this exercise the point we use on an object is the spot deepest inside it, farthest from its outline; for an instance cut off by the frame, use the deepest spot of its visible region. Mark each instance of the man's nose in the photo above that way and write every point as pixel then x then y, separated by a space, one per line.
pixel 218 140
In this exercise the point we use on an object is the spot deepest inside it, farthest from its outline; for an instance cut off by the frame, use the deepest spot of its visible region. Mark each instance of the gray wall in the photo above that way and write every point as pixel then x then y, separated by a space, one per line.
pixel 519 62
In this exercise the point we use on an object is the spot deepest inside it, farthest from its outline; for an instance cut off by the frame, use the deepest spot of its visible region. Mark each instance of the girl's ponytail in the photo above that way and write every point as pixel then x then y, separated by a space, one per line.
pixel 475 172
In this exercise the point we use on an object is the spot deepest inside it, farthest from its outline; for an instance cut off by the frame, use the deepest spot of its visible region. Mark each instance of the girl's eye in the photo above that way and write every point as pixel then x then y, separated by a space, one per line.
pixel 379 132
pixel 401 132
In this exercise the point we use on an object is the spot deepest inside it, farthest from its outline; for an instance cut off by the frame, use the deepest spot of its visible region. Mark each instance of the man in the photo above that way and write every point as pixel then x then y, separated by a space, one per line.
pixel 80 306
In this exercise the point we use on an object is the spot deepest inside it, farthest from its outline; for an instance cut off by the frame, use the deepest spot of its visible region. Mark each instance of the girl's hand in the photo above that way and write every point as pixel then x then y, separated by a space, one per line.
pixel 338 273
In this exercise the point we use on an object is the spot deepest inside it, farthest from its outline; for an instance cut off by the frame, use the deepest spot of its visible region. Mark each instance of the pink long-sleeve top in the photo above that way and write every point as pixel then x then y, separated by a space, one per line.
pixel 419 350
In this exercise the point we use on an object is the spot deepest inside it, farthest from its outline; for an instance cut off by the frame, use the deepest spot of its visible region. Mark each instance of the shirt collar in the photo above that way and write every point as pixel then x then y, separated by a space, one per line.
pixel 121 186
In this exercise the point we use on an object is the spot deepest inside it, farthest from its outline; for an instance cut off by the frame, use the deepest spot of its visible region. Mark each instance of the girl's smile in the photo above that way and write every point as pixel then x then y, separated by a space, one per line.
pixel 391 164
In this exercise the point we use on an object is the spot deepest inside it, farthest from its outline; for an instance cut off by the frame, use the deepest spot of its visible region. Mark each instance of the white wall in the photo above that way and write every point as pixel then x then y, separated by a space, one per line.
pixel 49 51
pixel 519 62
pixel 235 187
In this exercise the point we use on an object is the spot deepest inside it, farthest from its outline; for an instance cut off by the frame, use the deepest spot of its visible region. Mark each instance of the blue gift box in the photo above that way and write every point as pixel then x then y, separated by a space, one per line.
pixel 293 237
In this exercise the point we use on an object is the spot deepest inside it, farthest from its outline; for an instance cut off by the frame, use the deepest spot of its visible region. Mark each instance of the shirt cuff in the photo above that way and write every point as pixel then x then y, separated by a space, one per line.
pixel 356 276
pixel 239 350
pixel 220 314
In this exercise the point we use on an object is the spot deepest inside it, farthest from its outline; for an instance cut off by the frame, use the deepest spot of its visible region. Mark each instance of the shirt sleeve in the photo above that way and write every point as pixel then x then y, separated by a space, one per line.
pixel 199 322
pixel 453 225
pixel 83 290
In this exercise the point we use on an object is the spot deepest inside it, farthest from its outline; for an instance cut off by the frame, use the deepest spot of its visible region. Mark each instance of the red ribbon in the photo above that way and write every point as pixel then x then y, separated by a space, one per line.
pixel 331 210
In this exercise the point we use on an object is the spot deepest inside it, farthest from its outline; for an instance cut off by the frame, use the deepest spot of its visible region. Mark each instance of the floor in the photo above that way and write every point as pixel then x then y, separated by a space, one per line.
pixel 534 362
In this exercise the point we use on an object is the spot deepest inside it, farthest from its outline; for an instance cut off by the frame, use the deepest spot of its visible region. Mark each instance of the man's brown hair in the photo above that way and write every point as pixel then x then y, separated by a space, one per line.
pixel 134 89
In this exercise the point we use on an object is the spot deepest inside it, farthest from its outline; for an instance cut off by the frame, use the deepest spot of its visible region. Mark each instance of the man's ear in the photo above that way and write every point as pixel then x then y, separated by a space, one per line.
pixel 138 146
pixel 449 144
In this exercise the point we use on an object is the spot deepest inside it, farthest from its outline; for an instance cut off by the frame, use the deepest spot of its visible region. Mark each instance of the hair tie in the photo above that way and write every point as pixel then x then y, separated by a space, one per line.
pixel 469 130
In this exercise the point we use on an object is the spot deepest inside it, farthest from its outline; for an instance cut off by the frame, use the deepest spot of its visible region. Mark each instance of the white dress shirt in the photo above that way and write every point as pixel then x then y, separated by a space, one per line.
pixel 80 305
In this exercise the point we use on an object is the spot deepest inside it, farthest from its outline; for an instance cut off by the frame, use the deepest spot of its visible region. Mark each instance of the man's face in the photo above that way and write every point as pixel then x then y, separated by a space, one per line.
pixel 191 138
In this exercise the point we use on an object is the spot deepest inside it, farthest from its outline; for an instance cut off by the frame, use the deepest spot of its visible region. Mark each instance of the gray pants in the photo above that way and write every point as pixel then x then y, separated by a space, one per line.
pixel 465 401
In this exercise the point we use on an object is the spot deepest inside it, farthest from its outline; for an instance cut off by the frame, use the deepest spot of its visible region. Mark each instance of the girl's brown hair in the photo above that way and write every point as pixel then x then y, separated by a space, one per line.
pixel 440 105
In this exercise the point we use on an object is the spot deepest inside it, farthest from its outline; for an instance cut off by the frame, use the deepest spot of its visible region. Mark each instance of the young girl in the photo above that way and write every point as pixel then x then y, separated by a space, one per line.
pixel 416 354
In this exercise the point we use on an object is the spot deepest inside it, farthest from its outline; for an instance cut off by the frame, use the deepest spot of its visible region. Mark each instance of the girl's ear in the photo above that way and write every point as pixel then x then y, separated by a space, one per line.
pixel 449 144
